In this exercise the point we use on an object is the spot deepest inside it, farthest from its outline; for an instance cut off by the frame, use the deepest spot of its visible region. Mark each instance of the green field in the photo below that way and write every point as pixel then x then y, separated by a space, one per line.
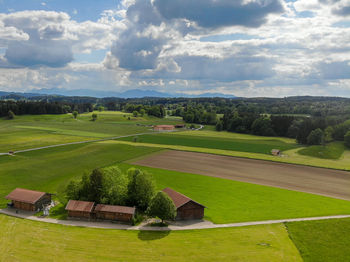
pixel 23 240
pixel 50 169
pixel 34 131
pixel 330 151
pixel 229 201
pixel 326 240
pixel 256 145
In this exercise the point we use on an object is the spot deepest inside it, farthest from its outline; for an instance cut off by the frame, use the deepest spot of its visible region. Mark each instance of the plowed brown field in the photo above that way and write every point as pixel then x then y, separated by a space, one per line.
pixel 327 182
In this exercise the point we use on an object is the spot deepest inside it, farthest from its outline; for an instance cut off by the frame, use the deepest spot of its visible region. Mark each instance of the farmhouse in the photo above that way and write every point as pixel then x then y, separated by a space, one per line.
pixel 110 212
pixel 28 200
pixel 163 128
pixel 186 208
pixel 79 209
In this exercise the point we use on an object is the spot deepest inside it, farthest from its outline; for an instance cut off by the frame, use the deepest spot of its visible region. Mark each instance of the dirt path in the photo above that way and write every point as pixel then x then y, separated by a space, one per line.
pixel 321 181
pixel 184 225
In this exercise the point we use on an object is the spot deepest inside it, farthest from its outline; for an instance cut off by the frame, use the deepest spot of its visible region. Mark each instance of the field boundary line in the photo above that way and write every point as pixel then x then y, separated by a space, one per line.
pixel 195 225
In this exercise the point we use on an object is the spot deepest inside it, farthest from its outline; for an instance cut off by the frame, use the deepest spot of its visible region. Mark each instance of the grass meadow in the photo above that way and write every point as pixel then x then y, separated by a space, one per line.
pixel 262 146
pixel 324 240
pixel 50 169
pixel 330 151
pixel 24 240
pixel 229 201
pixel 40 130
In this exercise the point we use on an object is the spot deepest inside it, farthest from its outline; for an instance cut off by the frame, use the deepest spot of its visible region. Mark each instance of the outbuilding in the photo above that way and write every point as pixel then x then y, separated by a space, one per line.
pixel 276 152
pixel 163 127
pixel 80 209
pixel 28 200
pixel 186 208
pixel 114 213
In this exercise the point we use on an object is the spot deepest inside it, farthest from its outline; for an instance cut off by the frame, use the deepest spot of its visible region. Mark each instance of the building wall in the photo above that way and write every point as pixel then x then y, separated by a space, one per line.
pixel 23 206
pixel 45 200
pixel 78 214
pixel 163 128
pixel 189 211
pixel 114 216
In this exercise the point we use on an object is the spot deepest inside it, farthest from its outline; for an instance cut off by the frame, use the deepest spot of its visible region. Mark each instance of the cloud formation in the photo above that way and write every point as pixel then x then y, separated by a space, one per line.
pixel 214 14
pixel 243 47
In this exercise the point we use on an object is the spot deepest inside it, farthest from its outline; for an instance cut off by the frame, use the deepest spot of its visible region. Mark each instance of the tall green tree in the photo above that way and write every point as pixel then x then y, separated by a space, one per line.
pixel 315 137
pixel 94 117
pixel 347 139
pixel 10 115
pixel 141 188
pixel 162 206
pixel 97 186
pixel 75 114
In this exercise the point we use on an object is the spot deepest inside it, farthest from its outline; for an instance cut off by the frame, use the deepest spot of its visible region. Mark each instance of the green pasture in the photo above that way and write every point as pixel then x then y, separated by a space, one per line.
pixel 50 169
pixel 229 201
pixel 262 146
pixel 41 130
pixel 330 151
pixel 24 240
pixel 323 240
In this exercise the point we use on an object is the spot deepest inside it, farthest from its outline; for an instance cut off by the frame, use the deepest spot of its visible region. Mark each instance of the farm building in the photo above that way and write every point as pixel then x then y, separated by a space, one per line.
pixel 186 208
pixel 163 128
pixel 79 209
pixel 110 212
pixel 28 200
pixel 275 152
pixel 180 126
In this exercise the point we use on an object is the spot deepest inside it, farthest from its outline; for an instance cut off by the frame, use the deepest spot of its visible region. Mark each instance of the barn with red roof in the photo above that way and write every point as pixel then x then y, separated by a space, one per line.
pixel 29 200
pixel 112 212
pixel 79 209
pixel 186 208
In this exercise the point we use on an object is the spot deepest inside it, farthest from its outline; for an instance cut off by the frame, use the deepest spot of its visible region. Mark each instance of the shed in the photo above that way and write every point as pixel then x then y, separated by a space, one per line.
pixel 276 152
pixel 112 212
pixel 186 208
pixel 28 200
pixel 79 209
pixel 163 127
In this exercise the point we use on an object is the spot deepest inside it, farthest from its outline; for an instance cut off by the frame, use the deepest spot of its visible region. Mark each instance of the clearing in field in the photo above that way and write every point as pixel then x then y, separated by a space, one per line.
pixel 320 181
pixel 259 243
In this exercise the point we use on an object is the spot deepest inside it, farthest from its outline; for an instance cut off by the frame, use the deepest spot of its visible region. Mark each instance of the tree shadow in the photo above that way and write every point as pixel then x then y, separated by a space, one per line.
pixel 152 235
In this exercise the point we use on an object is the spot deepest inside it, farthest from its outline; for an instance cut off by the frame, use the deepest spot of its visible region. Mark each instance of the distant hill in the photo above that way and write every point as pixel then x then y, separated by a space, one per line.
pixel 133 93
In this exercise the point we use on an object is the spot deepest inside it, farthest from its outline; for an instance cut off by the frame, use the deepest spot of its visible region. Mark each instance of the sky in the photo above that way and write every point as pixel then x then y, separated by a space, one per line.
pixel 249 48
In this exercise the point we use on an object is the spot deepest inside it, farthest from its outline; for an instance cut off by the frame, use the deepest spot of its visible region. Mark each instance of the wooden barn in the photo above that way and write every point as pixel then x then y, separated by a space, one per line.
pixel 80 209
pixel 163 128
pixel 117 213
pixel 186 208
pixel 28 200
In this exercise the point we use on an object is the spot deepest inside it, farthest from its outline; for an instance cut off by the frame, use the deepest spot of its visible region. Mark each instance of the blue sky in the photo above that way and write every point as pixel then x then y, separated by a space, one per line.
pixel 248 48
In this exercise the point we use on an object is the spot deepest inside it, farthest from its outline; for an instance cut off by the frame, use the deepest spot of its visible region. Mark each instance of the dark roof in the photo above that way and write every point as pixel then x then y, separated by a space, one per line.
pixel 25 195
pixel 115 209
pixel 178 198
pixel 82 206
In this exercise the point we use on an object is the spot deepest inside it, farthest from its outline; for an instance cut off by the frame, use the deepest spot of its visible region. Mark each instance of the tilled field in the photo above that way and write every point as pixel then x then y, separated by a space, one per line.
pixel 327 182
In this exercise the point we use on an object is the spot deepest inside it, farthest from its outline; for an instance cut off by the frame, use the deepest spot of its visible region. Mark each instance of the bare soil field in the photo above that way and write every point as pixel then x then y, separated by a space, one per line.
pixel 321 181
